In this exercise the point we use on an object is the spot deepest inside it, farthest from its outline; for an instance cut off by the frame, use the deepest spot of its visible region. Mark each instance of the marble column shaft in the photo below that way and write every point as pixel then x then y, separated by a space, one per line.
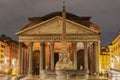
pixel 42 56
pixel 96 57
pixel 74 44
pixel 85 56
pixel 25 63
pixel 19 56
pixel 27 60
pixel 30 59
pixel 52 56
pixel 22 59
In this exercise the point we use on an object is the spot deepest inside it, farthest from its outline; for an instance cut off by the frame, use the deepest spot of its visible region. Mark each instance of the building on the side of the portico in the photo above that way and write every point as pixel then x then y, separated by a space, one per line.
pixel 104 59
pixel 114 49
pixel 42 37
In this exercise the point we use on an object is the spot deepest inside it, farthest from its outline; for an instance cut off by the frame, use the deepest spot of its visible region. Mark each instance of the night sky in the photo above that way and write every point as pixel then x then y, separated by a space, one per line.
pixel 105 13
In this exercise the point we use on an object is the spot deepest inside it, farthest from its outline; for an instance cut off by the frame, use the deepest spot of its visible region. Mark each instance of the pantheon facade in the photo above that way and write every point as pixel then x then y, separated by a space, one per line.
pixel 40 43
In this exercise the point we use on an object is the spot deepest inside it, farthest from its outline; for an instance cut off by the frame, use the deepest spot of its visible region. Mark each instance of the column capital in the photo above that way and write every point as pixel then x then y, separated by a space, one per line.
pixel 52 42
pixel 85 42
pixel 31 43
pixel 74 43
pixel 42 43
pixel 20 44
pixel 96 43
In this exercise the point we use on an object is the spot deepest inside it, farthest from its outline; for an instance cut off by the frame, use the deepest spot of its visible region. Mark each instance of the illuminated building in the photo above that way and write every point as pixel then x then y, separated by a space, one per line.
pixel 115 53
pixel 8 51
pixel 11 46
pixel 2 51
pixel 104 59
pixel 42 38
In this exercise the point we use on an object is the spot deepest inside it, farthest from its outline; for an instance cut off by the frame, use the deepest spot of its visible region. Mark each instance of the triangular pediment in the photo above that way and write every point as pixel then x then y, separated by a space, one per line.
pixel 54 26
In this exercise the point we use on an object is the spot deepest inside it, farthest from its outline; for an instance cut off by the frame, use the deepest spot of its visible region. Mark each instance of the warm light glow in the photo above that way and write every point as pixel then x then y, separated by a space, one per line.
pixel 112 63
pixel 1 68
pixel 117 57
pixel 7 71
pixel 6 60
pixel 14 67
pixel 14 72
pixel 14 62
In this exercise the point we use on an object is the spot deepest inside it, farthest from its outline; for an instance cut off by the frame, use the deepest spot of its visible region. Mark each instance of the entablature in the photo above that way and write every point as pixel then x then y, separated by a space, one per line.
pixel 58 37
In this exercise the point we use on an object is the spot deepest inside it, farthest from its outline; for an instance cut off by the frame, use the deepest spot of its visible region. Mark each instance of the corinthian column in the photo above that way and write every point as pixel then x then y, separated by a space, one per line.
pixel 85 56
pixel 42 56
pixel 22 59
pixel 96 57
pixel 52 56
pixel 19 58
pixel 30 60
pixel 74 44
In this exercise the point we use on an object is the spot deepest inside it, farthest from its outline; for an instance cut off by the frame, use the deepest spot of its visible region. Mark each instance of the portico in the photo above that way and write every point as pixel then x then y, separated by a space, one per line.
pixel 45 37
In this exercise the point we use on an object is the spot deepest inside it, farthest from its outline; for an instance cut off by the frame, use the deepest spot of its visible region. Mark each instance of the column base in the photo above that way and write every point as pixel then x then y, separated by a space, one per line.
pixel 30 78
pixel 75 67
pixel 17 77
pixel 96 74
pixel 87 71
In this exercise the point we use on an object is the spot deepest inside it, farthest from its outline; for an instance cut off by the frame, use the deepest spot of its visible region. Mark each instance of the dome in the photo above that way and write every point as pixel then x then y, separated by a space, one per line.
pixel 80 20
pixel 69 16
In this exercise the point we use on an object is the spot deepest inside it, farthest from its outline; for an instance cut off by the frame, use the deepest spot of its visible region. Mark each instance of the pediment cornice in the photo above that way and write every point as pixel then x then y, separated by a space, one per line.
pixel 54 26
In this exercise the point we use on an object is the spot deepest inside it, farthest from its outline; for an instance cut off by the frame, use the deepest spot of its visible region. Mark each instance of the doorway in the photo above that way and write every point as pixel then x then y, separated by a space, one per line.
pixel 56 57
pixel 36 62
pixel 80 59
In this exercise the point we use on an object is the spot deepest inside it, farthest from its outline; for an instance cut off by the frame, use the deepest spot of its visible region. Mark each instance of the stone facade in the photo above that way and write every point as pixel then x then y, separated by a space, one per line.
pixel 82 38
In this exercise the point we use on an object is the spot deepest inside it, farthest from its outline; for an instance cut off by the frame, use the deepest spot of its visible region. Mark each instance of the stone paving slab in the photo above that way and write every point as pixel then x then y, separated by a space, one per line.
pixel 7 77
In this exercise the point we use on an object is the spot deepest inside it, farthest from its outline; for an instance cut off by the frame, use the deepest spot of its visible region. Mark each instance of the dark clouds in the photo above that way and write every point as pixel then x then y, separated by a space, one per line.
pixel 105 13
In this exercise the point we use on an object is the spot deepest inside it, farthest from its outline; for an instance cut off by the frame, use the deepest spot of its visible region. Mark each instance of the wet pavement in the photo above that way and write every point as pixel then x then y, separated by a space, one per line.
pixel 7 77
